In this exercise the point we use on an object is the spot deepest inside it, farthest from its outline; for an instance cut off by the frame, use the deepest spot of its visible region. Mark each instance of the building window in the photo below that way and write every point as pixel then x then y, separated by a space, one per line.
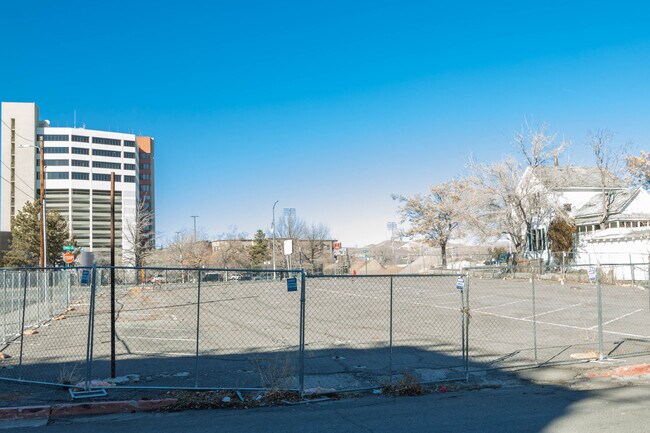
pixel 80 138
pixel 56 149
pixel 111 153
pixel 55 162
pixel 105 177
pixel 58 175
pixel 145 187
pixel 144 155
pixel 129 143
pixel 145 166
pixel 80 151
pixel 567 207
pixel 129 166
pixel 80 176
pixel 80 163
pixel 111 141
pixel 102 164
pixel 129 155
pixel 129 179
pixel 145 176
pixel 51 137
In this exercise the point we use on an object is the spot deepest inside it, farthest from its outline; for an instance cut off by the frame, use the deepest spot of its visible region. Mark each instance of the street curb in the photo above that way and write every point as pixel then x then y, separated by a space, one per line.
pixel 24 412
pixel 83 409
pixel 628 370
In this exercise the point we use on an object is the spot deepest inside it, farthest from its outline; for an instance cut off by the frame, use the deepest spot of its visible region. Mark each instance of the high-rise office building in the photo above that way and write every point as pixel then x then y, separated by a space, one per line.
pixel 146 188
pixel 78 167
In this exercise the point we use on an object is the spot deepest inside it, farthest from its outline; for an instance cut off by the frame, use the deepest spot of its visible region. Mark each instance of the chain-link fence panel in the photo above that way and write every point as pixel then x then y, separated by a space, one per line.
pixel 249 329
pixel 501 330
pixel 625 309
pixel 347 332
pixel 428 327
pixel 565 318
pixel 52 318
pixel 153 336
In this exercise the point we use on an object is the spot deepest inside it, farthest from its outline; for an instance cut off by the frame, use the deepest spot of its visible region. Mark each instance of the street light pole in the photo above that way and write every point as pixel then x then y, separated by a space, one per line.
pixel 195 217
pixel 273 233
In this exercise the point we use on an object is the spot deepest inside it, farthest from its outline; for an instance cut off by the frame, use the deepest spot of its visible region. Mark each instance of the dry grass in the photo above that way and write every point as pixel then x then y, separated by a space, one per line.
pixel 276 374
pixel 407 386
pixel 69 374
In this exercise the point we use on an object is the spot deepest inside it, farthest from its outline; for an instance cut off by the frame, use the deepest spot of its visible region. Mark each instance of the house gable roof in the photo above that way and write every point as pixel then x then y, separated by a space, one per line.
pixel 574 177
pixel 591 210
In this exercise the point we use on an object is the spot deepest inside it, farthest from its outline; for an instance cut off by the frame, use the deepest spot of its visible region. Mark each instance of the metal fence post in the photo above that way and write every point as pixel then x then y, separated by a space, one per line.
pixel 4 307
pixel 467 317
pixel 599 295
pixel 632 270
pixel 390 341
pixel 462 325
pixel 534 314
pixel 198 325
pixel 22 328
pixel 91 328
pixel 301 349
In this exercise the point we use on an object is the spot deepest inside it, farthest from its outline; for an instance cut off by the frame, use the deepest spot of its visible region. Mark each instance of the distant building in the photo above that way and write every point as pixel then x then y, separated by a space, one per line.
pixel 79 163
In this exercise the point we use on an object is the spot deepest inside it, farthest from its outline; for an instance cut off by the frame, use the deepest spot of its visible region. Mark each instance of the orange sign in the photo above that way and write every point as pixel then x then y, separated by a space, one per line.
pixel 337 245
pixel 68 258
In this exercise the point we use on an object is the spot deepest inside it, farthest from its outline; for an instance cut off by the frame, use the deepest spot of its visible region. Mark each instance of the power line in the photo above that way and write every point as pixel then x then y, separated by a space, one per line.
pixel 20 178
pixel 9 168
pixel 9 182
pixel 17 134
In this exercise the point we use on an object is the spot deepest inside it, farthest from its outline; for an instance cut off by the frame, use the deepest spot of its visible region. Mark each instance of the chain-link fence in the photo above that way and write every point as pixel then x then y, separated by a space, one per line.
pixel 258 329
pixel 541 314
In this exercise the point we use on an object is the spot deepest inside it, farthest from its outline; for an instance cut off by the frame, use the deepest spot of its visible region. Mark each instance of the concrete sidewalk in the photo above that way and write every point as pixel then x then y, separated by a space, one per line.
pixel 24 404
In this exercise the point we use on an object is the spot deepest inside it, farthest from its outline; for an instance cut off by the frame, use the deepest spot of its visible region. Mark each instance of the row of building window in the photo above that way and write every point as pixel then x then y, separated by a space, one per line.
pixel 86 139
pixel 82 163
pixel 96 152
pixel 58 175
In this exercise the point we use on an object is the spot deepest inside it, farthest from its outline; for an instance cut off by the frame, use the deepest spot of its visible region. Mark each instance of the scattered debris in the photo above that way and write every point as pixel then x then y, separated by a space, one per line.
pixel 182 374
pixel 4 356
pixel 585 355
pixel 30 332
pixel 60 317
pixel 319 390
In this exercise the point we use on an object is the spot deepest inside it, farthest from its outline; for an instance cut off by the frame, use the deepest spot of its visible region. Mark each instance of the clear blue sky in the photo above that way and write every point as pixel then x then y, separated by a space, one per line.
pixel 329 107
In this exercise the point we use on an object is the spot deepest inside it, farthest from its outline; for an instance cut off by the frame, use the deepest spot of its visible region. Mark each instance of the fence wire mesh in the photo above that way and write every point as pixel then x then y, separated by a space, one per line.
pixel 254 329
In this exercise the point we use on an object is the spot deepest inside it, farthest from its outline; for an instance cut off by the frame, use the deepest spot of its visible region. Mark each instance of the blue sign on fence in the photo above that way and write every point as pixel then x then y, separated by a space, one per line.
pixel 85 277
pixel 292 284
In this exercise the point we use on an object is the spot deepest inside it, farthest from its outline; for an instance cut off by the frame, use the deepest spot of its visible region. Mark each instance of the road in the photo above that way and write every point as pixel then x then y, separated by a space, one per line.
pixel 526 408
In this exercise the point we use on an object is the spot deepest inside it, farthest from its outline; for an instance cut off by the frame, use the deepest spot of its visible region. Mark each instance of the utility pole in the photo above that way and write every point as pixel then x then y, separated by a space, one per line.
pixel 273 233
pixel 195 217
pixel 41 157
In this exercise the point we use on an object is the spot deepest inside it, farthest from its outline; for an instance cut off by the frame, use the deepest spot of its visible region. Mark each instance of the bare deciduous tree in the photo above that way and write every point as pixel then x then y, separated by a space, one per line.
pixel 436 215
pixel 185 251
pixel 232 252
pixel 610 165
pixel 537 146
pixel 639 168
pixel 315 236
pixel 502 202
pixel 139 244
